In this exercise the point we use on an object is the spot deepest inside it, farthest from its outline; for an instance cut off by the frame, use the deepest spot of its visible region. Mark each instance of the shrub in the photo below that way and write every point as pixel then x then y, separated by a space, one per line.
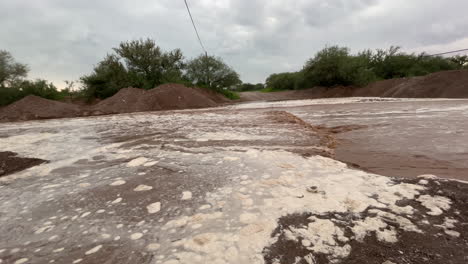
pixel 250 87
pixel 23 88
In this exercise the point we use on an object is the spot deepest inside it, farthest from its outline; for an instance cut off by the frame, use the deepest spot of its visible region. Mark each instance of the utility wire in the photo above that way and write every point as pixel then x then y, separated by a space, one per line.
pixel 448 52
pixel 196 31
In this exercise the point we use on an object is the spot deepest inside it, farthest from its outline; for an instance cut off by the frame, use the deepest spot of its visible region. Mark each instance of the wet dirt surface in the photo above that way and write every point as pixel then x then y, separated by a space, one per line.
pixel 10 163
pixel 215 185
pixel 411 247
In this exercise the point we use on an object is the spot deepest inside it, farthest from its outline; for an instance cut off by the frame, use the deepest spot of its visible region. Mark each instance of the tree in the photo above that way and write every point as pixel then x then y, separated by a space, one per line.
pixel 328 67
pixel 212 72
pixel 281 81
pixel 138 63
pixel 108 77
pixel 145 60
pixel 10 70
pixel 460 60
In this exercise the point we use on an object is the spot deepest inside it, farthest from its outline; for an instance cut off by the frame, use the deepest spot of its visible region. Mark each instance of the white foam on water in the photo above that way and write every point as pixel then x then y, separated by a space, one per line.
pixel 436 204
pixel 186 195
pixel 93 250
pixel 137 162
pixel 142 188
pixel 136 236
pixel 223 136
pixel 153 208
pixel 117 183
pixel 286 191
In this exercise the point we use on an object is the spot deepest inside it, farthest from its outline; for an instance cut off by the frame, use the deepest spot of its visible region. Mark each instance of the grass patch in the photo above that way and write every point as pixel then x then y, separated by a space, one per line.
pixel 271 90
pixel 230 94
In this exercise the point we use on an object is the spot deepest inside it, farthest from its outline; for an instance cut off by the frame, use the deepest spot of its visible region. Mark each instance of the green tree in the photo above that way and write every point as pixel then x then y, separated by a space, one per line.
pixel 281 81
pixel 10 70
pixel 148 64
pixel 212 72
pixel 335 66
pixel 108 77
pixel 249 87
pixel 461 61
pixel 138 63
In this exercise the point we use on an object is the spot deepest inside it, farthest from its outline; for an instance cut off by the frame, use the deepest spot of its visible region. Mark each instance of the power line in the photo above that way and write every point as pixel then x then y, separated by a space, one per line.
pixel 448 52
pixel 196 31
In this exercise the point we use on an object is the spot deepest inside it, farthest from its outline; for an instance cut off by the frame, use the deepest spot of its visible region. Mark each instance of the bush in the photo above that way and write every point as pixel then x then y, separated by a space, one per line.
pixel 249 87
pixel 229 94
pixel 9 95
pixel 20 89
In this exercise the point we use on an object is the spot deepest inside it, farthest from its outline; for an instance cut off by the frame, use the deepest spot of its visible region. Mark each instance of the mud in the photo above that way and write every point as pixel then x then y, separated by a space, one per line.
pixel 326 140
pixel 11 163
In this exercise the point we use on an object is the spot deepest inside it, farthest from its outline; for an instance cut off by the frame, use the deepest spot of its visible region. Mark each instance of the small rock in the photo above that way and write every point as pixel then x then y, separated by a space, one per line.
pixel 312 189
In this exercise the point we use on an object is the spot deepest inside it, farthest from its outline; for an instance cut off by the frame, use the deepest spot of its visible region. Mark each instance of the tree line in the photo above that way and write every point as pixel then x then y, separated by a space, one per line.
pixel 336 66
pixel 143 64
pixel 137 63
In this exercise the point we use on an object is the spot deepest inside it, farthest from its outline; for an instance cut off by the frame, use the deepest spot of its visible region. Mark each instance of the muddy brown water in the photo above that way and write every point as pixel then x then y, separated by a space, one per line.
pixel 401 139
pixel 82 206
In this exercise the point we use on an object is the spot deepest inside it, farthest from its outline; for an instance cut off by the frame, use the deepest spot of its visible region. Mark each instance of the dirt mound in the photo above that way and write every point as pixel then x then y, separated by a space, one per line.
pixel 163 97
pixel 338 91
pixel 216 97
pixel 34 107
pixel 177 96
pixel 378 88
pixel 447 84
pixel 126 100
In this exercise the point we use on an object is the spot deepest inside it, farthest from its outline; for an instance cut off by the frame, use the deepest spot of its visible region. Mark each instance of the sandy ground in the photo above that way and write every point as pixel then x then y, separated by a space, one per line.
pixel 250 183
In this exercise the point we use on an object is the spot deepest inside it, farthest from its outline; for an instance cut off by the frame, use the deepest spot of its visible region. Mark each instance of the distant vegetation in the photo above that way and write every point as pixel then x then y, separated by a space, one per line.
pixel 245 87
pixel 334 66
pixel 14 86
pixel 137 63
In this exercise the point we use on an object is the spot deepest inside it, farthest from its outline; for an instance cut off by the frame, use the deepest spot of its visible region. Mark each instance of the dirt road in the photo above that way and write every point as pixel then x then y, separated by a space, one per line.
pixel 248 183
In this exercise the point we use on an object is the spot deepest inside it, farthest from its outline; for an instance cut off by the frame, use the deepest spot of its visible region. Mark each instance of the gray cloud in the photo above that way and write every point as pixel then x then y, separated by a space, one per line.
pixel 63 39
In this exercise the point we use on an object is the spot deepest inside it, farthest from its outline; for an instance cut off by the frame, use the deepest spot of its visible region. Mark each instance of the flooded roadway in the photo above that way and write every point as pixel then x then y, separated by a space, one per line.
pixel 215 185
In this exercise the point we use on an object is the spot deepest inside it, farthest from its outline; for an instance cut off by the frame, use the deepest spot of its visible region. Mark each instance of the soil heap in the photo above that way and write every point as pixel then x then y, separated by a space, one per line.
pixel 163 97
pixel 34 107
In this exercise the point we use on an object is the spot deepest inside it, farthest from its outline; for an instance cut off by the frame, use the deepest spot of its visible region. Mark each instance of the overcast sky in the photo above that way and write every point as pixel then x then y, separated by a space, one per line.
pixel 62 39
